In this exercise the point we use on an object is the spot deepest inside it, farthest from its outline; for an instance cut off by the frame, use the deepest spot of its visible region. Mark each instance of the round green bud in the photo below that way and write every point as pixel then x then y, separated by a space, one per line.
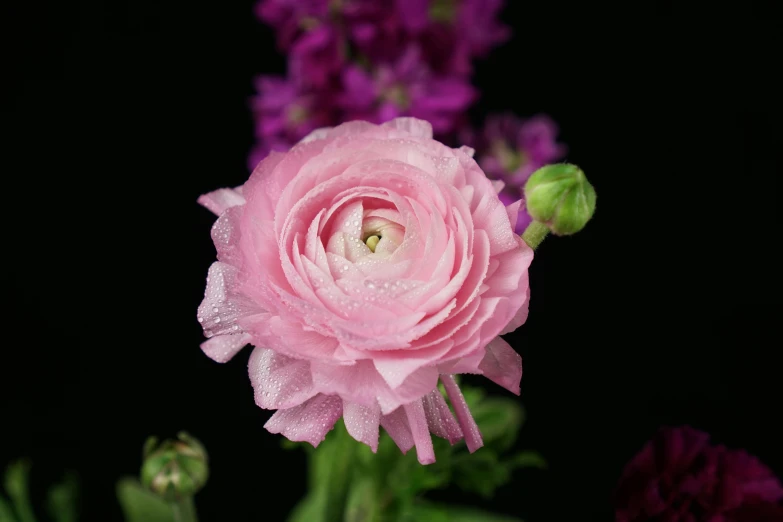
pixel 174 469
pixel 560 196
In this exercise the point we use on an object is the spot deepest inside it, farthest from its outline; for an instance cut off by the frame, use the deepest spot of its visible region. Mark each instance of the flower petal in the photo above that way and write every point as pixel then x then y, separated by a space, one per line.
pixel 439 417
pixel 222 348
pixel 362 423
pixel 502 365
pixel 396 425
pixel 471 431
pixel 417 420
pixel 279 381
pixel 220 200
pixel 308 422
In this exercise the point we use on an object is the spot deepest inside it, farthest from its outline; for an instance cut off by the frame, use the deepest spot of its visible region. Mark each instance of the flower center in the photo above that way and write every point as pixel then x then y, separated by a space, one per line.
pixel 296 114
pixel 372 242
pixel 444 11
pixel 398 96
pixel 511 159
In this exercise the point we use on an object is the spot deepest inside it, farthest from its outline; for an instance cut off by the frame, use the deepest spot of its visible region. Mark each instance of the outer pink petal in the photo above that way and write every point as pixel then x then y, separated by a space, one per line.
pixel 221 310
pixel 308 422
pixel 225 235
pixel 218 201
pixel 520 317
pixel 317 134
pixel 362 423
pixel 417 420
pixel 513 212
pixel 439 417
pixel 396 425
pixel 279 381
pixel 502 365
pixel 222 348
pixel 471 431
pixel 413 126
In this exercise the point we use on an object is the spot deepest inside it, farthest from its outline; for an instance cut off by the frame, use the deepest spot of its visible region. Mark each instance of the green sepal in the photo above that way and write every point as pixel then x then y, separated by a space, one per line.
pixel 17 479
pixel 62 499
pixel 141 505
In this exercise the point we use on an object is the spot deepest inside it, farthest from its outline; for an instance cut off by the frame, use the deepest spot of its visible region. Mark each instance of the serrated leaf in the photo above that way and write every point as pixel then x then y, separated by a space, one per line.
pixel 62 500
pixel 140 505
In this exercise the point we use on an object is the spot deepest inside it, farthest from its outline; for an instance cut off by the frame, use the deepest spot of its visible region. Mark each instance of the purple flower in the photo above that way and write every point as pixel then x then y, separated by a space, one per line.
pixel 452 32
pixel 307 32
pixel 510 149
pixel 290 17
pixel 406 87
pixel 285 112
pixel 680 477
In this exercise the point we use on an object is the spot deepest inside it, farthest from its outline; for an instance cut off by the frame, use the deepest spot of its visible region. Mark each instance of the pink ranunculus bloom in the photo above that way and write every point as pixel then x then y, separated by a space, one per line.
pixel 365 265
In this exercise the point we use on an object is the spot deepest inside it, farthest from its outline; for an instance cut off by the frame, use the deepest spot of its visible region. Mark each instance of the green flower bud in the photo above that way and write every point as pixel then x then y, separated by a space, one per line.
pixel 560 197
pixel 174 469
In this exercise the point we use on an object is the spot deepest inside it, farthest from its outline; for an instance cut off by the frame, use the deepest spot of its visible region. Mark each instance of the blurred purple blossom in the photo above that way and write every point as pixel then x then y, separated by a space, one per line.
pixel 285 112
pixel 679 476
pixel 406 87
pixel 510 149
pixel 376 60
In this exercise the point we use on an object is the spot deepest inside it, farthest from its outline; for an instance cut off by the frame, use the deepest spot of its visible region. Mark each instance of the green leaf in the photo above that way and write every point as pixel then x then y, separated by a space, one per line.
pixel 6 514
pixel 429 512
pixel 62 500
pixel 330 468
pixel 481 472
pixel 362 503
pixel 140 505
pixel 307 510
pixel 17 477
pixel 499 420
pixel 528 459
pixel 407 478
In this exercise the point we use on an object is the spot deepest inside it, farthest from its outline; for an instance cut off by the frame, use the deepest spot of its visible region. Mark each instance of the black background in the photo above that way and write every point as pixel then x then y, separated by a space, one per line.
pixel 664 310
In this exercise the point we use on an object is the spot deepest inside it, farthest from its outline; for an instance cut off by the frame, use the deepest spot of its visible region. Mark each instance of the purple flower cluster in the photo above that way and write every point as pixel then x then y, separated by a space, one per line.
pixel 372 60
pixel 679 476
pixel 510 149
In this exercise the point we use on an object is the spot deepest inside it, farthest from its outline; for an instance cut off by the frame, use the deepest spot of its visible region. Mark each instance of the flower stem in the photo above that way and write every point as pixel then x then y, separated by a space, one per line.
pixel 534 234
pixel 184 510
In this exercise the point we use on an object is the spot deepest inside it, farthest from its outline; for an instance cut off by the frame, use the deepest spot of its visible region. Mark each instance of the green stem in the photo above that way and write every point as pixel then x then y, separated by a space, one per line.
pixel 534 234
pixel 185 510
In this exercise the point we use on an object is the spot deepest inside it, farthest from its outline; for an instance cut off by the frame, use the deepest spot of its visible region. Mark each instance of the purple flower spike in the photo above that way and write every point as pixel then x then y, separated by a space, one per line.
pixel 405 88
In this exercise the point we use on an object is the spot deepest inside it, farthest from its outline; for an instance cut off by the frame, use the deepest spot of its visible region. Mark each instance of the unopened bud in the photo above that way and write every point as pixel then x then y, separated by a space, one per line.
pixel 560 197
pixel 174 469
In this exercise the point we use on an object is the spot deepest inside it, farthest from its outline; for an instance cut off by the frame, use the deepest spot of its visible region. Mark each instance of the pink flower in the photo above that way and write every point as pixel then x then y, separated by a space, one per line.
pixel 364 265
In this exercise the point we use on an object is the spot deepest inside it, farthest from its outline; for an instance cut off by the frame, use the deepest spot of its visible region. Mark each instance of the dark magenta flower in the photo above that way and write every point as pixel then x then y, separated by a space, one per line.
pixel 510 149
pixel 406 87
pixel 679 476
